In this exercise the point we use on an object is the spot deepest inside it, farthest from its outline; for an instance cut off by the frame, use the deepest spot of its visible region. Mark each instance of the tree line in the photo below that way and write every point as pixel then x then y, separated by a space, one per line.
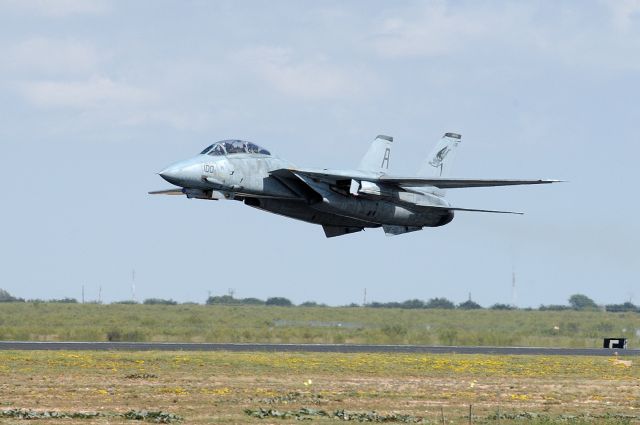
pixel 579 302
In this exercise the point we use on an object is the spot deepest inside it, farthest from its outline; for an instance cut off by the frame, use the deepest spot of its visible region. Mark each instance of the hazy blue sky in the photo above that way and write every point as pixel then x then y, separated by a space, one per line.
pixel 98 96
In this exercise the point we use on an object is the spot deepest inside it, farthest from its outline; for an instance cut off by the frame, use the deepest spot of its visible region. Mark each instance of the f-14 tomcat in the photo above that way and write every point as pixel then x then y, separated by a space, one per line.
pixel 341 201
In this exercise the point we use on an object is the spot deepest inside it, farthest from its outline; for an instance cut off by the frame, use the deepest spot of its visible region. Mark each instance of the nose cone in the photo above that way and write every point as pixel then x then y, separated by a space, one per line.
pixel 187 173
pixel 172 174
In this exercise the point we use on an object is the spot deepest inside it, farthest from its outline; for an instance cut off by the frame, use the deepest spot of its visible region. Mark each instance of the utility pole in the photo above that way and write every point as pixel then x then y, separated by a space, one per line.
pixel 364 299
pixel 82 294
pixel 513 288
pixel 133 285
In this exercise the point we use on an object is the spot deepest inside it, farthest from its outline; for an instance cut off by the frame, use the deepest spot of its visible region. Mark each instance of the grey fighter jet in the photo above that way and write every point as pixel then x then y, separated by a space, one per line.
pixel 341 201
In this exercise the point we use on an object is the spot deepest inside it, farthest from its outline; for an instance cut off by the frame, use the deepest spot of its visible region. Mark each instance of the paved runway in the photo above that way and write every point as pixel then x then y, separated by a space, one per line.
pixel 309 348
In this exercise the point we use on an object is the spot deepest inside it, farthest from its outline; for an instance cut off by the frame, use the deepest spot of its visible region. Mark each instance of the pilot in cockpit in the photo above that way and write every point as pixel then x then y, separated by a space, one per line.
pixel 228 147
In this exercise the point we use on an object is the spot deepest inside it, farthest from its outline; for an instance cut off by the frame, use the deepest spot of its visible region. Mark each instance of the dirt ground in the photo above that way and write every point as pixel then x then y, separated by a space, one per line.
pixel 206 388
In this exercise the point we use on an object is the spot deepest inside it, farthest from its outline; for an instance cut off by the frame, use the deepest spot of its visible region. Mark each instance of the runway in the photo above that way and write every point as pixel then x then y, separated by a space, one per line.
pixel 310 348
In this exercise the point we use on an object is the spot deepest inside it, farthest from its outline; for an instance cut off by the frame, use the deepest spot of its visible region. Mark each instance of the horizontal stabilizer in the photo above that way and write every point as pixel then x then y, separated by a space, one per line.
pixel 486 211
pixel 333 231
pixel 440 207
pixel 459 183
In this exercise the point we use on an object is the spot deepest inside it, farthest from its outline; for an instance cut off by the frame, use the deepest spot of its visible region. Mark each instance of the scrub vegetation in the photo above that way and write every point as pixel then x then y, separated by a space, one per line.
pixel 220 387
pixel 257 323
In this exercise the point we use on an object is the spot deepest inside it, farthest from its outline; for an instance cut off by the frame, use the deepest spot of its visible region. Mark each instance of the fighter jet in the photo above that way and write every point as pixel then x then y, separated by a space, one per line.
pixel 341 201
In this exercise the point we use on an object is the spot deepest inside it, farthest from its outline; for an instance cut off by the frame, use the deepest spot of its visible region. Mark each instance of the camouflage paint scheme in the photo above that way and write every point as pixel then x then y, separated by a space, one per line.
pixel 341 201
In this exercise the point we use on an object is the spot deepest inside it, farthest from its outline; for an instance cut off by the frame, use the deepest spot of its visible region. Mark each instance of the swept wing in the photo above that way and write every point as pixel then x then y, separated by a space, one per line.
pixel 451 183
pixel 333 176
pixel 449 208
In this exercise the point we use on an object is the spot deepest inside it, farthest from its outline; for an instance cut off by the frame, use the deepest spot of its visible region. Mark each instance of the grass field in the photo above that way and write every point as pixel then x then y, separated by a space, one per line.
pixel 199 323
pixel 218 387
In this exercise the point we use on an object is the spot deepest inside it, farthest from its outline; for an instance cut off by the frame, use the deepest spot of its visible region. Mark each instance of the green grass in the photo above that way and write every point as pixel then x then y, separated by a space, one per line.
pixel 199 323
pixel 220 387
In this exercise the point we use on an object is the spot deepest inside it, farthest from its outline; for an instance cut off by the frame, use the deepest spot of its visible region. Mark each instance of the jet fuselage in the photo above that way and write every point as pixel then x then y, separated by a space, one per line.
pixel 342 201
pixel 243 175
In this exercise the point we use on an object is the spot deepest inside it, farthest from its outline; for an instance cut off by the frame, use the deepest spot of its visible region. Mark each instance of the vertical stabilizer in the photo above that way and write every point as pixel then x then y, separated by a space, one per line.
pixel 439 161
pixel 377 157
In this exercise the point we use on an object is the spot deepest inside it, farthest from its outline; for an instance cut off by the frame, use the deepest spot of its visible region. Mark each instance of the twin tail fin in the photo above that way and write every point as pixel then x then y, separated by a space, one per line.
pixel 438 163
pixel 377 157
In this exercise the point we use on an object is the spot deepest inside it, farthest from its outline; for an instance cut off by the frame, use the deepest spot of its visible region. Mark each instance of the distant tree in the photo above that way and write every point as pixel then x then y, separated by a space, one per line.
pixel 415 303
pixel 582 302
pixel 223 299
pixel 312 304
pixel 279 301
pixel 625 307
pixel 499 306
pixel 251 301
pixel 125 302
pixel 64 301
pixel 376 304
pixel 159 301
pixel 439 303
pixel 229 300
pixel 469 305
pixel 554 307
pixel 6 297
pixel 418 304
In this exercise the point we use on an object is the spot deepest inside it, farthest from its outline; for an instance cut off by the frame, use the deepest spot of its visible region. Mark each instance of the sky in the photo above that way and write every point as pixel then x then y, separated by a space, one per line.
pixel 97 96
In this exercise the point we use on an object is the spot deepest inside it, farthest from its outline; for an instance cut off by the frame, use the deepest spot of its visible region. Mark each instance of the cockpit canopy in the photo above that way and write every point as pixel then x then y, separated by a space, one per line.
pixel 230 147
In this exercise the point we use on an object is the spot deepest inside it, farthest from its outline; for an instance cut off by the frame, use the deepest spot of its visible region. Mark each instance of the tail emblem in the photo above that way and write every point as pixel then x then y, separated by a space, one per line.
pixel 385 160
pixel 440 156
